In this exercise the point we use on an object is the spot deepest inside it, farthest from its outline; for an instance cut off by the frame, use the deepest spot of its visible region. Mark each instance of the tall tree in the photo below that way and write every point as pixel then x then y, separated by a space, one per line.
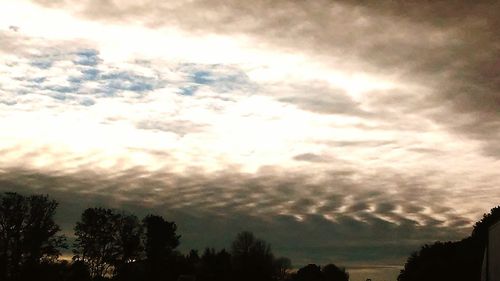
pixel 28 233
pixel 107 241
pixel 252 257
pixel 161 238
pixel 129 232
pixel 95 243
pixel 160 241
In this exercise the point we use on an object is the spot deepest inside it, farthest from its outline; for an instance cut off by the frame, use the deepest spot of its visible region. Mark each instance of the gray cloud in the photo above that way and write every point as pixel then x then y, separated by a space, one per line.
pixel 179 127
pixel 269 203
pixel 311 157
pixel 320 98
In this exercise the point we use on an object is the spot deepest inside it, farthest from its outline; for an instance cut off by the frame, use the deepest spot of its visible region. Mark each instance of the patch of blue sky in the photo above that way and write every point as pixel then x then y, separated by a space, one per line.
pixel 140 86
pixel 188 90
pixel 127 81
pixel 220 78
pixel 61 96
pixel 87 74
pixel 90 74
pixel 113 82
pixel 70 98
pixel 47 60
pixel 87 57
pixel 43 63
pixel 119 76
pixel 202 77
pixel 233 82
pixel 63 89
pixel 75 79
pixel 37 80
pixel 105 82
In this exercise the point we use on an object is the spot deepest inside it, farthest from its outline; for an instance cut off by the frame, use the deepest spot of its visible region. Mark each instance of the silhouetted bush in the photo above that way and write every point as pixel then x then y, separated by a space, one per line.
pixel 333 273
pixel 309 272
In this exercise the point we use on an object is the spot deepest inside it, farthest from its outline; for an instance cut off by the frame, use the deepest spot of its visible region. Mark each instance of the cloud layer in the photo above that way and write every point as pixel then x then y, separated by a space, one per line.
pixel 359 130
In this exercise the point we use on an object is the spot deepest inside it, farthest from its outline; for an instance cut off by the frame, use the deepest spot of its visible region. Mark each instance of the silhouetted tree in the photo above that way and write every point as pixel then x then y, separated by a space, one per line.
pixel 444 261
pixel 207 270
pixel 252 258
pixel 129 232
pixel 192 262
pixel 281 266
pixel 333 273
pixel 223 268
pixel 107 241
pixel 193 257
pixel 480 231
pixel 160 237
pixel 215 266
pixel 95 243
pixel 310 272
pixel 160 242
pixel 459 260
pixel 78 271
pixel 53 271
pixel 29 234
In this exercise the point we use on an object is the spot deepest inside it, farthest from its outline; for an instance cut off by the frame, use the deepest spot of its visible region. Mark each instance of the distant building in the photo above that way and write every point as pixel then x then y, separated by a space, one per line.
pixel 491 260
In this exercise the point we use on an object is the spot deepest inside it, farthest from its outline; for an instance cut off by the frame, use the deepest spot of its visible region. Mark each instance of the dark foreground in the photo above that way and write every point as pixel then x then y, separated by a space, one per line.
pixel 113 245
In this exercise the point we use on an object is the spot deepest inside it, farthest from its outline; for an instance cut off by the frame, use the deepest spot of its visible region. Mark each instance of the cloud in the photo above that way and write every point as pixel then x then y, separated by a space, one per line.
pixel 284 210
pixel 353 131
pixel 320 98
pixel 311 157
pixel 14 28
pixel 179 127
pixel 453 61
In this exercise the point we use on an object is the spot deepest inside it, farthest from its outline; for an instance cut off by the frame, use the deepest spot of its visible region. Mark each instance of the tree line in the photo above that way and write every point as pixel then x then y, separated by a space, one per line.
pixel 114 245
pixel 452 260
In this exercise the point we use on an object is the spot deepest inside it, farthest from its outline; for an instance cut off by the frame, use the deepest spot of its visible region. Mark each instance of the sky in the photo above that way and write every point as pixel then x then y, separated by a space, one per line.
pixel 350 132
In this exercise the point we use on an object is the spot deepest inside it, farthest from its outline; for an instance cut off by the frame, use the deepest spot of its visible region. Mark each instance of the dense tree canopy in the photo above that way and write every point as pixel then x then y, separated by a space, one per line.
pixel 161 238
pixel 107 241
pixel 480 231
pixel 460 260
pixel 29 234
